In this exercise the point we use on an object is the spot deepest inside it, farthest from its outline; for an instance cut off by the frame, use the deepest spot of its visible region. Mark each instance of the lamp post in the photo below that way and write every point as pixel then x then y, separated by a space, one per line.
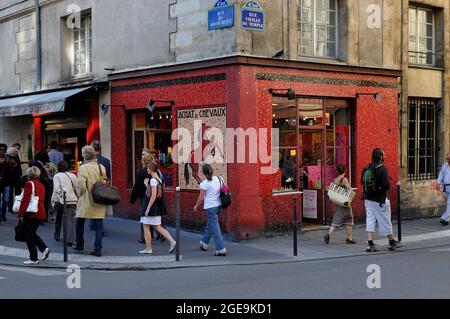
pixel 376 96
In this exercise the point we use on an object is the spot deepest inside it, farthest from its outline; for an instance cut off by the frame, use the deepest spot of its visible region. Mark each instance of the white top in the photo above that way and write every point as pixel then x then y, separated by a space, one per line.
pixel 212 196
pixel 67 181
pixel 153 182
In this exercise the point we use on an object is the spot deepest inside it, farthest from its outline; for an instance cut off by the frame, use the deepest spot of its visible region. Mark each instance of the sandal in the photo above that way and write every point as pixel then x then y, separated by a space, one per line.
pixel 350 241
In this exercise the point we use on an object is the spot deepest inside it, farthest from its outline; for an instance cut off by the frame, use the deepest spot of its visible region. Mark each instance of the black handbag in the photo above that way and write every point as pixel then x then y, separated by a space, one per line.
pixel 20 232
pixel 104 193
pixel 225 195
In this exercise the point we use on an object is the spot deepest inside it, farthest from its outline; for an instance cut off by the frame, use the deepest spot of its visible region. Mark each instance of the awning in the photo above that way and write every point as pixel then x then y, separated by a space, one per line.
pixel 42 103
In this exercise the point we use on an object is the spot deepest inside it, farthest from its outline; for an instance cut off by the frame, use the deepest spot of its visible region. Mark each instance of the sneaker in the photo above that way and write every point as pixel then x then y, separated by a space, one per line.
pixel 78 247
pixel 46 253
pixel 95 253
pixel 350 241
pixel 172 247
pixel 221 253
pixel 371 249
pixel 326 238
pixel 146 251
pixel 31 262
pixel 203 246
pixel 443 222
pixel 394 245
pixel 4 219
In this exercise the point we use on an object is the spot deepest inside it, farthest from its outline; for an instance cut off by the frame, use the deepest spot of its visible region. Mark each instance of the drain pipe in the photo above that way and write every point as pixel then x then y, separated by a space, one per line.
pixel 38 47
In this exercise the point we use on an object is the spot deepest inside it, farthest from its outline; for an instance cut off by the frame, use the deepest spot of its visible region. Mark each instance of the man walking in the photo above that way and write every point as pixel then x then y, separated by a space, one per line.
pixel 376 185
pixel 444 181
pixel 54 155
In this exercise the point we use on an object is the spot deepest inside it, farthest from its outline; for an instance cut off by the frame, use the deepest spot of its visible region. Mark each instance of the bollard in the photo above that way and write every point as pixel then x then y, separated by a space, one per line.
pixel 399 220
pixel 295 225
pixel 64 217
pixel 177 222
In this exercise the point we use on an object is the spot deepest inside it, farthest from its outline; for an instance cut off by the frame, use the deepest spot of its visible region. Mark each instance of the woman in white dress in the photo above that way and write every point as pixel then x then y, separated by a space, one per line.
pixel 156 207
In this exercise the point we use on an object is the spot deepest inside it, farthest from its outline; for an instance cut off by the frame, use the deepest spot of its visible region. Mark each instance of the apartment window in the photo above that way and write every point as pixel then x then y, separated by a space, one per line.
pixel 421 36
pixel 82 47
pixel 317 25
pixel 422 117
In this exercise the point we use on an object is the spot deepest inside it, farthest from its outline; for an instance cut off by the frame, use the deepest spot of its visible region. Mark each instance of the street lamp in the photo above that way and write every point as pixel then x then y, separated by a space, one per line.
pixel 376 96
pixel 290 93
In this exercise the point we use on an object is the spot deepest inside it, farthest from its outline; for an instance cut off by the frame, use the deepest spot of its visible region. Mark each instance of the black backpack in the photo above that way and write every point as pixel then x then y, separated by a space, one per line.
pixel 368 179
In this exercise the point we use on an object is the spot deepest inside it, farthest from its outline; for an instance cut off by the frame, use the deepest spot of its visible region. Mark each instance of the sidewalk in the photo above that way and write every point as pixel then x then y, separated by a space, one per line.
pixel 120 247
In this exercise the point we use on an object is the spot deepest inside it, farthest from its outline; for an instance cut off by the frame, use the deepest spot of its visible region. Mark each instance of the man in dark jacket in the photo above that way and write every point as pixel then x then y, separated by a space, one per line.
pixel 3 172
pixel 378 205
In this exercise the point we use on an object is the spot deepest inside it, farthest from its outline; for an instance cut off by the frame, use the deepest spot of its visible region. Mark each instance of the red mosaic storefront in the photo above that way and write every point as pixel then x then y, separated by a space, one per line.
pixel 330 117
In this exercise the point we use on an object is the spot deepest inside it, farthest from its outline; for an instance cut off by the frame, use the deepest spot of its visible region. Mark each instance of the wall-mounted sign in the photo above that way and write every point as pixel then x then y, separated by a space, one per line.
pixel 310 204
pixel 221 16
pixel 204 147
pixel 252 16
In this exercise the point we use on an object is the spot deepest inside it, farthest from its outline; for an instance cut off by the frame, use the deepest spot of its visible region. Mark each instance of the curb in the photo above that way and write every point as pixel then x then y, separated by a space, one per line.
pixel 188 265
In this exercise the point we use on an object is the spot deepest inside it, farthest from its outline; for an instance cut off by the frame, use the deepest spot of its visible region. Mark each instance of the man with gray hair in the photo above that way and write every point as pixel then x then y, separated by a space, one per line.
pixel 101 159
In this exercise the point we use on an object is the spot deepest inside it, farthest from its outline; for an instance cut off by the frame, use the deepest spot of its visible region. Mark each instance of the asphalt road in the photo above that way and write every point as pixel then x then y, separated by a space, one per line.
pixel 423 273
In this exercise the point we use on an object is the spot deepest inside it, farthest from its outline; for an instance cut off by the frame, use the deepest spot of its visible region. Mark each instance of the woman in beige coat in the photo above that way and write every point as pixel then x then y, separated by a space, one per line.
pixel 88 175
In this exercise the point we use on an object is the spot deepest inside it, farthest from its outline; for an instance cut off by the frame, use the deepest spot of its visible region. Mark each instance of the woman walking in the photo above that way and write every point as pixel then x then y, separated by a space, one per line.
pixel 66 182
pixel 210 196
pixel 342 215
pixel 151 216
pixel 31 220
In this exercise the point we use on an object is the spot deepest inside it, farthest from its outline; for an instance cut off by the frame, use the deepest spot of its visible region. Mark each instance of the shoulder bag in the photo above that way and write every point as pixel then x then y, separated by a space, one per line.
pixel 225 195
pixel 32 206
pixel 103 192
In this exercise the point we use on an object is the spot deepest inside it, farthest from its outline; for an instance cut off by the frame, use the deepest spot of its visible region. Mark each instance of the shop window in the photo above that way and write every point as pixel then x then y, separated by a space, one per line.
pixel 152 131
pixel 421 36
pixel 284 118
pixel 317 26
pixel 314 138
pixel 82 47
pixel 422 130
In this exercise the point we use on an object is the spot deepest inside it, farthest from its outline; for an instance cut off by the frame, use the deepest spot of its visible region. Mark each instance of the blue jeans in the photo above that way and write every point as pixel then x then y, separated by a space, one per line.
pixel 445 216
pixel 98 226
pixel 4 199
pixel 92 225
pixel 213 229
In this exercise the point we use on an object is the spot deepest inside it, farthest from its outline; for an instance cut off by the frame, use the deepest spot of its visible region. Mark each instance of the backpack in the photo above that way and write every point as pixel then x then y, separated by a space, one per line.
pixel 225 195
pixel 368 179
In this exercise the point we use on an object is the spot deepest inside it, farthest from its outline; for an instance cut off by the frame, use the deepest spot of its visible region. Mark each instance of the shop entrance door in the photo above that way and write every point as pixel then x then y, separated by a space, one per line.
pixel 311 172
pixel 325 142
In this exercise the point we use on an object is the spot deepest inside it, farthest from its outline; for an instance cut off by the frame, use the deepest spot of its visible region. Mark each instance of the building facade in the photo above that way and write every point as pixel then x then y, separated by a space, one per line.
pixel 336 78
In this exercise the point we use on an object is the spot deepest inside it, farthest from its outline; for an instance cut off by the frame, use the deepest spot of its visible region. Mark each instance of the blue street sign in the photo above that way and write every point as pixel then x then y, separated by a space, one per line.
pixel 221 3
pixel 252 16
pixel 221 17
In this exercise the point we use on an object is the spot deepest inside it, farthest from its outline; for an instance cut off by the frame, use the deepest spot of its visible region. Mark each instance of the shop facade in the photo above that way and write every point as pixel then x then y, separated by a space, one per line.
pixel 325 115
pixel 68 116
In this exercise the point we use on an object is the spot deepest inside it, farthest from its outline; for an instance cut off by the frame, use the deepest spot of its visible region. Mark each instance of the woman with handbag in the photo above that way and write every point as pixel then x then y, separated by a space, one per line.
pixel 31 213
pixel 156 207
pixel 66 182
pixel 210 196
pixel 342 215
pixel 89 174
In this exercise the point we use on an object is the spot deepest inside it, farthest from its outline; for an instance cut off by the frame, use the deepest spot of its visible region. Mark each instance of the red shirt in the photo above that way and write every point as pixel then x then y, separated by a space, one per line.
pixel 39 191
